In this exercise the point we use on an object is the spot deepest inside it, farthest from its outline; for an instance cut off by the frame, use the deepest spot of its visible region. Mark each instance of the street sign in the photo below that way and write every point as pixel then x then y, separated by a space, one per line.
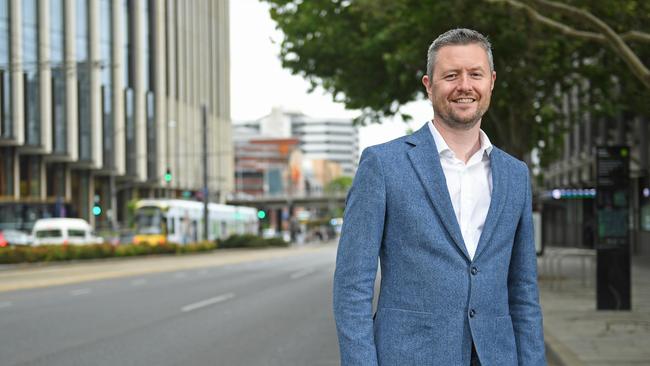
pixel 612 239
pixel 612 199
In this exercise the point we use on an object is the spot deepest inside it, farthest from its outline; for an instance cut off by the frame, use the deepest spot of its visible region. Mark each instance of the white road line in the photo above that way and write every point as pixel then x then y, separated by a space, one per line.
pixel 81 291
pixel 208 302
pixel 5 304
pixel 139 282
pixel 303 273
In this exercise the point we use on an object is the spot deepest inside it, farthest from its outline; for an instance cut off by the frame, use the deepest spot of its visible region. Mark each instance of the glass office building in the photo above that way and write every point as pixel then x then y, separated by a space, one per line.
pixel 100 98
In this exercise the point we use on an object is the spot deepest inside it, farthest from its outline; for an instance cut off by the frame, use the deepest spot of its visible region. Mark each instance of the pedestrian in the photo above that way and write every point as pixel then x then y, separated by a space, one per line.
pixel 449 218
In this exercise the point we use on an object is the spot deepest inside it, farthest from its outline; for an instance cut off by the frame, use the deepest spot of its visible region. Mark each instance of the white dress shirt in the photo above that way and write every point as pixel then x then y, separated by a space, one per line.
pixel 469 185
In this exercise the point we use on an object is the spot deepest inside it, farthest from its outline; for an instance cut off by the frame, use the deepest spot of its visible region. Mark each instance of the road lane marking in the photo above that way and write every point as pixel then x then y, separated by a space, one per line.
pixel 208 302
pixel 81 291
pixel 303 273
pixel 5 304
pixel 139 282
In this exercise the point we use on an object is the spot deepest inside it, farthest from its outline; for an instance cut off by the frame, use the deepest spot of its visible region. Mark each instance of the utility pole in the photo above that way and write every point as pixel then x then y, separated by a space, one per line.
pixel 206 195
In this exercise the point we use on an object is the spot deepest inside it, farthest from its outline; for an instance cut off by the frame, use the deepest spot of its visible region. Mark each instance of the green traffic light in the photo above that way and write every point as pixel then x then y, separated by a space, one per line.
pixel 97 210
pixel 168 177
pixel 261 214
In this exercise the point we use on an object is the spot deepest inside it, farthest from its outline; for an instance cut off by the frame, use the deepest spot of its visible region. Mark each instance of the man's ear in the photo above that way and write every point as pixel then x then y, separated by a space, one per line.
pixel 427 84
pixel 494 78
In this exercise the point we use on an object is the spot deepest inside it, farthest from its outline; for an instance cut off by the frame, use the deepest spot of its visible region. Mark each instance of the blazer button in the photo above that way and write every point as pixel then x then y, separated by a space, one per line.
pixel 474 271
pixel 472 313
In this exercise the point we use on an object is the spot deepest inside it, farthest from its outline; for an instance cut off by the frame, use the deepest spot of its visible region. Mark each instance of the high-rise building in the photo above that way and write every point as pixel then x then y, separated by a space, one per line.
pixel 100 103
pixel 331 139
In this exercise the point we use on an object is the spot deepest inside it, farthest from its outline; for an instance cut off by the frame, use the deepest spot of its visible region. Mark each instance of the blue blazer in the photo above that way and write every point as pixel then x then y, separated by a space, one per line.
pixel 433 300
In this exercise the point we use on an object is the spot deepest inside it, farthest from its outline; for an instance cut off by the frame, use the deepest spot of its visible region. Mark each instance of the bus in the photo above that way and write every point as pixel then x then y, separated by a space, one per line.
pixel 160 221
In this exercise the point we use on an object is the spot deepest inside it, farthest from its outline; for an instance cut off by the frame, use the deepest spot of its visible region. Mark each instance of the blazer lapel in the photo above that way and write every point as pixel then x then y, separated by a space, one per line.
pixel 499 193
pixel 425 160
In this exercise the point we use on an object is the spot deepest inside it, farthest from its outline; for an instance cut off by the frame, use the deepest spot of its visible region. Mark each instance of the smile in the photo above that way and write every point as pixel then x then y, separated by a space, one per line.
pixel 464 100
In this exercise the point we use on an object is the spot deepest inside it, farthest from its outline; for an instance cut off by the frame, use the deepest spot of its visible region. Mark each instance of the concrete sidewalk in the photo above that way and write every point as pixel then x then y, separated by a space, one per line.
pixel 26 276
pixel 577 334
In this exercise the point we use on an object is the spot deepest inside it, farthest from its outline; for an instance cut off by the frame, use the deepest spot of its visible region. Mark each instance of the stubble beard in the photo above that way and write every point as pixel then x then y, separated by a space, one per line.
pixel 453 120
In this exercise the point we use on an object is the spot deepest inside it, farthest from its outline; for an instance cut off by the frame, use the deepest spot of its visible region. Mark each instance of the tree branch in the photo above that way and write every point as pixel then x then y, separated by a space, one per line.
pixel 606 34
pixel 636 36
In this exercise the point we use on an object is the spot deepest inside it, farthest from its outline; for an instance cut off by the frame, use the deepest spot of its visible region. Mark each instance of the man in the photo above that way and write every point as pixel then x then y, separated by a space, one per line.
pixel 449 217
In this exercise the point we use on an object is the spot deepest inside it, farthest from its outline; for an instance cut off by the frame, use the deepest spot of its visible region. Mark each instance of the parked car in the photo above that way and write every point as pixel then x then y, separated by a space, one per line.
pixel 10 237
pixel 64 231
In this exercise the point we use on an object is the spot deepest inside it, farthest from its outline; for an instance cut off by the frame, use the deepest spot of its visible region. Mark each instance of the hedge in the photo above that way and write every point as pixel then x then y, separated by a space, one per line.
pixel 250 241
pixel 54 253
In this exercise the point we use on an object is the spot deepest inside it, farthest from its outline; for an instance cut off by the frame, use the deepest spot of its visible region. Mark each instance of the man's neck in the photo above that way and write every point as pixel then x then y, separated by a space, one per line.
pixel 464 143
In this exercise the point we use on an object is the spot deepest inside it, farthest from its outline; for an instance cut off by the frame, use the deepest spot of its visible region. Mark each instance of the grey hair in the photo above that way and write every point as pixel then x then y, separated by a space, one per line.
pixel 456 37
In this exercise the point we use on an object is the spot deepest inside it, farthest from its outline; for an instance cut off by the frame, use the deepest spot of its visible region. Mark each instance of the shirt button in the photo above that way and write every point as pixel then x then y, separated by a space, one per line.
pixel 472 313
pixel 474 271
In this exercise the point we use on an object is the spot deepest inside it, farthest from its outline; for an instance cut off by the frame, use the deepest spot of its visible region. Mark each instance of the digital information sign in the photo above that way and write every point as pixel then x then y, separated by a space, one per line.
pixel 612 239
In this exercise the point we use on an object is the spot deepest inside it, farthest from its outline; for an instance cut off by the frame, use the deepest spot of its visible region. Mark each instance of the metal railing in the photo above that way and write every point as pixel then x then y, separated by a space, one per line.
pixel 553 265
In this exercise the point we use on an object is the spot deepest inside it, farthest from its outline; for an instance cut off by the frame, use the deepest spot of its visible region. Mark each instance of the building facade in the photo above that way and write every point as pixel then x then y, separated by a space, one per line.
pixel 331 139
pixel 263 166
pixel 101 100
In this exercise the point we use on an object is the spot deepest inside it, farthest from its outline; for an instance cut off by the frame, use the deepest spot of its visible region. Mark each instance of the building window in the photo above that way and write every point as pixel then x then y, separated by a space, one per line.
pixel 55 176
pixel 129 115
pixel 152 171
pixel 30 176
pixel 106 41
pixel 57 63
pixel 127 26
pixel 6 125
pixel 30 72
pixel 83 80
pixel 176 54
pixel 6 171
pixel 147 43
pixel 80 183
pixel 168 36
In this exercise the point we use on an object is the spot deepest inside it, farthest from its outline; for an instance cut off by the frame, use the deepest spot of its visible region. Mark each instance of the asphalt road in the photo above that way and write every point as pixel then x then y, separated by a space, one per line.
pixel 272 312
pixel 269 312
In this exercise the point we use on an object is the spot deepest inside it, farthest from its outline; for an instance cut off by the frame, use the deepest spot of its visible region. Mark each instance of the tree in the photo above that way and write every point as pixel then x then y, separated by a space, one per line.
pixel 339 185
pixel 603 33
pixel 371 54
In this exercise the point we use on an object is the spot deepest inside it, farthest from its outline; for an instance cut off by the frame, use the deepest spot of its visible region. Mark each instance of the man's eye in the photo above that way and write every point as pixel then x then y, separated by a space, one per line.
pixel 477 75
pixel 450 76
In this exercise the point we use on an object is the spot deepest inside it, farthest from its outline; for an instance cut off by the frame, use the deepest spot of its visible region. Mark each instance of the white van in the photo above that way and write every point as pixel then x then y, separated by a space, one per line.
pixel 64 231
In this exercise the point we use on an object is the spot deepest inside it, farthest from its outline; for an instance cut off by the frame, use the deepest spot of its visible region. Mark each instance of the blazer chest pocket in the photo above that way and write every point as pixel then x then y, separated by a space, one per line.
pixel 404 337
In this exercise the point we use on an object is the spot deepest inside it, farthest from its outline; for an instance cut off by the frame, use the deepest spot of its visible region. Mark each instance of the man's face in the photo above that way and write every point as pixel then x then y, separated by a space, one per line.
pixel 461 85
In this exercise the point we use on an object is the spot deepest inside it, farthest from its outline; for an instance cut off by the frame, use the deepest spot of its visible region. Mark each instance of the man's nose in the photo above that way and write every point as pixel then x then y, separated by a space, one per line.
pixel 464 82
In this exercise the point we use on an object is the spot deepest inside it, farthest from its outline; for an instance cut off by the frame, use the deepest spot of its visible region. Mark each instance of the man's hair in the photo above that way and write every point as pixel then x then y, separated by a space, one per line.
pixel 458 37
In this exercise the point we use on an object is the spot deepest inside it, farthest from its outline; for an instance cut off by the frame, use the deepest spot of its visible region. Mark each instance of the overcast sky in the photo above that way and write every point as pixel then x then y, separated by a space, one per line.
pixel 258 81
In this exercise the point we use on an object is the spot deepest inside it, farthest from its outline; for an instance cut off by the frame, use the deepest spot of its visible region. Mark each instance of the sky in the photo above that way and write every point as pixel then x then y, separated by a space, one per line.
pixel 259 83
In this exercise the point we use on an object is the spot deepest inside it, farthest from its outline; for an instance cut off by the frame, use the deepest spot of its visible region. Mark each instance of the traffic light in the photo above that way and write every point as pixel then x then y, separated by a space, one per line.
pixel 97 208
pixel 261 214
pixel 168 175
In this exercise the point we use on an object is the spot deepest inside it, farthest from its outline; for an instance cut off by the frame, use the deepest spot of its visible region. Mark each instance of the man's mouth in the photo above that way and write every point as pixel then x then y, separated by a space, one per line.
pixel 464 100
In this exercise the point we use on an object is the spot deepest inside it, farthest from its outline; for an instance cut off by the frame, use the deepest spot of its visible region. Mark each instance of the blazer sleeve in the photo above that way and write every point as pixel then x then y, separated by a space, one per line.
pixel 523 293
pixel 356 262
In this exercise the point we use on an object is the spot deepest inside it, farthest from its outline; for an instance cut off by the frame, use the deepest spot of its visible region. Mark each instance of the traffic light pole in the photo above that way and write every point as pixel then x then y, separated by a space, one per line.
pixel 206 196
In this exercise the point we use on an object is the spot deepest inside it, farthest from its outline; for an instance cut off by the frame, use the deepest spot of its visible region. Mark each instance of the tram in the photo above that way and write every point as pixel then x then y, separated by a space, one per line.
pixel 160 221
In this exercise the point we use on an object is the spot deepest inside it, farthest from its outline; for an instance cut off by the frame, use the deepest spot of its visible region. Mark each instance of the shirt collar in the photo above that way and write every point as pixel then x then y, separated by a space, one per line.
pixel 441 145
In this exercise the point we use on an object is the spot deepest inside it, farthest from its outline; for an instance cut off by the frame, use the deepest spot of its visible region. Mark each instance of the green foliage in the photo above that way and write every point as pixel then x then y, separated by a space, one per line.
pixel 54 253
pixel 251 241
pixel 371 55
pixel 339 185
